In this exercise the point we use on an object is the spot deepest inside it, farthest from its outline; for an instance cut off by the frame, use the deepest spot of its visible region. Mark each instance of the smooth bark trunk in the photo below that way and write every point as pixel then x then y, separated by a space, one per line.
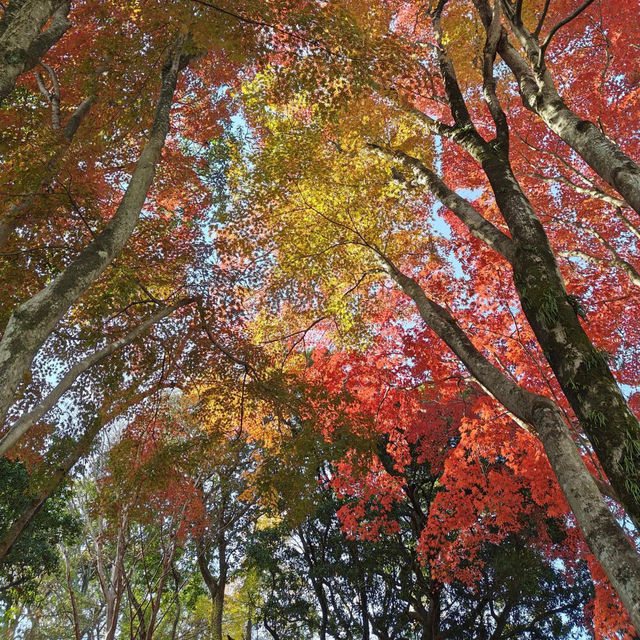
pixel 216 586
pixel 581 370
pixel 34 320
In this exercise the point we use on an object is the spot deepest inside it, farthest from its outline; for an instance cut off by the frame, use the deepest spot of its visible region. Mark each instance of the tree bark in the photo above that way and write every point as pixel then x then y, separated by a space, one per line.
pixel 581 370
pixel 33 321
pixel 605 537
pixel 216 586
pixel 72 597
pixel 20 524
pixel 317 584
pixel 248 630
pixel 22 42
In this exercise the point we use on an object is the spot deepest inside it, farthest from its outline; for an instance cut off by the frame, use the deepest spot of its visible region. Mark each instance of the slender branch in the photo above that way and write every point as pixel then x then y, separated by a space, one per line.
pixel 517 12
pixel 494 32
pixel 615 261
pixel 563 22
pixel 24 424
pixel 543 17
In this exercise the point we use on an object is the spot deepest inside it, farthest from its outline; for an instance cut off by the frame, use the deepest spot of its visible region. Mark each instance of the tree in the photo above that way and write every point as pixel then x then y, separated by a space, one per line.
pixel 355 282
pixel 321 224
pixel 37 552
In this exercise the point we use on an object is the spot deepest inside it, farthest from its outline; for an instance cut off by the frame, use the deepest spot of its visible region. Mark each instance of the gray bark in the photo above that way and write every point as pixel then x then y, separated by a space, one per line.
pixel 33 321
pixel 26 421
pixel 22 41
pixel 584 137
pixel 581 370
pixel 540 95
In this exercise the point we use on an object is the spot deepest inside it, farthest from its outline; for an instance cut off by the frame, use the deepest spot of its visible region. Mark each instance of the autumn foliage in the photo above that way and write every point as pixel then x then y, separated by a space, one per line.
pixel 319 319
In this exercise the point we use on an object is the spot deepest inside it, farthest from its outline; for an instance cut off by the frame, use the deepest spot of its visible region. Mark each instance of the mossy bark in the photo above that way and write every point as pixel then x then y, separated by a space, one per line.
pixel 22 41
pixel 582 371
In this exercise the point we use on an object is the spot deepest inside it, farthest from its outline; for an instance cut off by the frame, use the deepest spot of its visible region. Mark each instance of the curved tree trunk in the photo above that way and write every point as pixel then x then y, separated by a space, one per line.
pixel 606 539
pixel 34 320
pixel 582 371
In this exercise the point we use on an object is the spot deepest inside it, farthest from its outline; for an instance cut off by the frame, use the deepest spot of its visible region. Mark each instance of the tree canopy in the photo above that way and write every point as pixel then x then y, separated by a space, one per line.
pixel 320 319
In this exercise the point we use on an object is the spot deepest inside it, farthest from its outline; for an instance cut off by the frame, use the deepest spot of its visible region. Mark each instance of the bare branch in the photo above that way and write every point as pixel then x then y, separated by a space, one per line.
pixel 543 17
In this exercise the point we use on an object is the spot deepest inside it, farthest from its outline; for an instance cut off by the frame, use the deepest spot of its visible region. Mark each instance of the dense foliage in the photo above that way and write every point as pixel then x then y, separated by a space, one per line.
pixel 319 319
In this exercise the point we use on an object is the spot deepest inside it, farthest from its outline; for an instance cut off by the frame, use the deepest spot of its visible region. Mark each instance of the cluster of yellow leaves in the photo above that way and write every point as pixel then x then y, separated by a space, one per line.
pixel 327 204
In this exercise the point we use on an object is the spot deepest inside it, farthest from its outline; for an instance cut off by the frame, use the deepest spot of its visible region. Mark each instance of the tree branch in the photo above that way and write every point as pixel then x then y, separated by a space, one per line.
pixel 24 424
pixel 478 226
pixel 572 16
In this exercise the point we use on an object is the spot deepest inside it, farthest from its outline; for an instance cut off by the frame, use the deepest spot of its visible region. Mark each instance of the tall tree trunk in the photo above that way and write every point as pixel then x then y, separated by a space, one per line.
pixel 34 320
pixel 22 41
pixel 216 586
pixel 217 610
pixel 167 561
pixel 50 485
pixel 364 608
pixel 603 534
pixel 318 587
pixel 176 591
pixel 582 371
pixel 218 603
